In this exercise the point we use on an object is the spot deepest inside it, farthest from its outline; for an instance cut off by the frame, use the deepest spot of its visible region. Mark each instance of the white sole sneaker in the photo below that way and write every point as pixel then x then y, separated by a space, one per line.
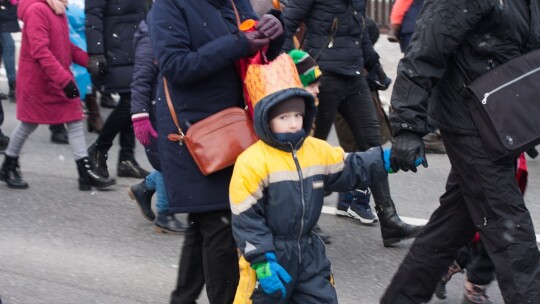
pixel 361 219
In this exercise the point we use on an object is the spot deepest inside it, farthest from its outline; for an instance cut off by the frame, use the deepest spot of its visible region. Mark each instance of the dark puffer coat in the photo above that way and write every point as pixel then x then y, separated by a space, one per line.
pixel 457 46
pixel 341 51
pixel 196 44
pixel 8 17
pixel 110 26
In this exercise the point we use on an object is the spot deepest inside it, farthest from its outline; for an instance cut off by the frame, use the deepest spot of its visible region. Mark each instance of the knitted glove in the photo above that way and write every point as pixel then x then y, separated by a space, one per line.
pixel 271 275
pixel 407 147
pixel 71 90
pixel 143 128
pixel 270 26
pixel 387 152
pixel 97 65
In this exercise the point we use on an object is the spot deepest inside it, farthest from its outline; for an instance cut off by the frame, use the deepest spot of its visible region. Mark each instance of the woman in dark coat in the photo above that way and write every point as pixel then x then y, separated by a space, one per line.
pixel 197 44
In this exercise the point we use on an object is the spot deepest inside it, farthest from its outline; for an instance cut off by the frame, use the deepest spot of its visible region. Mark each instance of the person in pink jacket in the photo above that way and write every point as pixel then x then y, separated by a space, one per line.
pixel 46 91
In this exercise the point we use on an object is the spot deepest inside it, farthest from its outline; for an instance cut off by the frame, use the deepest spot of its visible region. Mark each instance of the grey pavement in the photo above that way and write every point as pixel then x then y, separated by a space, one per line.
pixel 59 245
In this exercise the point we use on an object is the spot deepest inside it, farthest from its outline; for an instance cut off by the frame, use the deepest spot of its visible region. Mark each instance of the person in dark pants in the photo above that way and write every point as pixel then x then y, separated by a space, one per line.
pixel 110 26
pixel 336 37
pixel 4 139
pixel 196 44
pixel 481 195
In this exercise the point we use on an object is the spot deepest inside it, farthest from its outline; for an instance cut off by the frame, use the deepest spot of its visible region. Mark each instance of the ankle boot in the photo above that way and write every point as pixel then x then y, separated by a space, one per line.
pixel 11 93
pixel 11 173
pixel 59 134
pixel 88 178
pixel 166 223
pixel 393 229
pixel 98 159
pixel 94 120
pixel 143 197
pixel 393 33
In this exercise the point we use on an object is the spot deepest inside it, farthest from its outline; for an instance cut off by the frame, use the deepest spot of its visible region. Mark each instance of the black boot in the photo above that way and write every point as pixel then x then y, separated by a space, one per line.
pixel 11 93
pixel 11 173
pixel 167 223
pixel 130 168
pixel 88 178
pixel 4 142
pixel 143 197
pixel 98 159
pixel 393 229
pixel 59 134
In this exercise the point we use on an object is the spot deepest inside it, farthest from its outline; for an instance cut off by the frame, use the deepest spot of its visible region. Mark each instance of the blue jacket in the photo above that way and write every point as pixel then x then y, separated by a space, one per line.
pixel 196 44
pixel 76 20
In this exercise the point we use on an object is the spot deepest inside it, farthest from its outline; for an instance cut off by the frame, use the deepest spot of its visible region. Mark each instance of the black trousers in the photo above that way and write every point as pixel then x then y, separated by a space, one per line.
pixel 482 196
pixel 1 113
pixel 208 256
pixel 119 121
pixel 350 96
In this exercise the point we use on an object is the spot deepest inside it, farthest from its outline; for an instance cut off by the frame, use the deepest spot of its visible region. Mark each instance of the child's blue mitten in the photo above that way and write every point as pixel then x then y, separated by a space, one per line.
pixel 271 275
pixel 386 160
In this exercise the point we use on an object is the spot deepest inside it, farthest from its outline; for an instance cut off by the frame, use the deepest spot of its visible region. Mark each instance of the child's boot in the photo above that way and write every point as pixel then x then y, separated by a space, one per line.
pixel 475 294
pixel 143 197
pixel 11 173
pixel 88 178
pixel 167 223
pixel 360 209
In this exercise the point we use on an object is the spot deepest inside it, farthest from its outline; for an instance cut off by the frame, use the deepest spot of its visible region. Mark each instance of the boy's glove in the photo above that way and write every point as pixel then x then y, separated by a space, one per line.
pixel 71 90
pixel 271 275
pixel 407 147
pixel 143 128
pixel 97 64
pixel 270 26
pixel 387 152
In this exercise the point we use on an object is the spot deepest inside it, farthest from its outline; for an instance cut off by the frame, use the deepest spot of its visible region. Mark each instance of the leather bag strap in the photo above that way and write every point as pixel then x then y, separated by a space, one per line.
pixel 173 137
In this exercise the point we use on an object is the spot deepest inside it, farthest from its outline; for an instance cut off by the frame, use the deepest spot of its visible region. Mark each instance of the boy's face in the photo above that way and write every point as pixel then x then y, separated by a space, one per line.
pixel 288 122
pixel 313 89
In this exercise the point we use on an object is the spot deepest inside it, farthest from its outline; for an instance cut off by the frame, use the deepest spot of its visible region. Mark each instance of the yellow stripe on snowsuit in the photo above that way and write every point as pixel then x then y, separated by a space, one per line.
pixel 251 176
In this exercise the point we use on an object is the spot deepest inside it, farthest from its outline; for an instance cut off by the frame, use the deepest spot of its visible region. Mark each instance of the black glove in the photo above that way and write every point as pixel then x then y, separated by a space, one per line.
pixel 407 148
pixel 71 90
pixel 270 26
pixel 256 40
pixel 377 79
pixel 97 65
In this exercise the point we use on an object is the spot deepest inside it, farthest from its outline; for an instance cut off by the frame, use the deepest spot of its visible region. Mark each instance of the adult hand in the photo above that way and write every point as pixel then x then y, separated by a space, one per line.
pixel 271 275
pixel 270 26
pixel 407 148
pixel 142 127
pixel 97 65
pixel 71 91
pixel 256 40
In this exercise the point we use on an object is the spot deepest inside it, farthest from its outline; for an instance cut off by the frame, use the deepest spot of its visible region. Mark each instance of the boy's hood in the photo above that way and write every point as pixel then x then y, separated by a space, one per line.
pixel 262 127
pixel 22 9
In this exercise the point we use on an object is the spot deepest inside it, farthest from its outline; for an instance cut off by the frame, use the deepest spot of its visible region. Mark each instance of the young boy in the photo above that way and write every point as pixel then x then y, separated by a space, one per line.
pixel 276 196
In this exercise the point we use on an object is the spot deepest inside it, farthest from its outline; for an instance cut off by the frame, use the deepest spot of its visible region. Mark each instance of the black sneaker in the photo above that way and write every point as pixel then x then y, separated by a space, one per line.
pixel 344 201
pixel 143 197
pixel 360 208
pixel 4 142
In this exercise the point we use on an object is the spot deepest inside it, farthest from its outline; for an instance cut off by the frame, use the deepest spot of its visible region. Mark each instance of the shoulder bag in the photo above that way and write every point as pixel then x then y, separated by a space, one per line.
pixel 505 106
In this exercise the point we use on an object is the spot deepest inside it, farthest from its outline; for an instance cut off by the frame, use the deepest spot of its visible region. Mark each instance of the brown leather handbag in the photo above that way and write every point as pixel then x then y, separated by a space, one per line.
pixel 216 141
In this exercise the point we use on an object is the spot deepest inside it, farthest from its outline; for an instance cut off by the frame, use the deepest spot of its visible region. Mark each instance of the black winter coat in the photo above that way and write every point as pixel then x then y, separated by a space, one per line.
pixel 8 17
pixel 196 44
pixel 454 43
pixel 143 87
pixel 110 26
pixel 345 50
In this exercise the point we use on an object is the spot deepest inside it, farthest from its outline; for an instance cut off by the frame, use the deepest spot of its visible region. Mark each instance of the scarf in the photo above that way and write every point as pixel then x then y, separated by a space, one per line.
pixel 57 6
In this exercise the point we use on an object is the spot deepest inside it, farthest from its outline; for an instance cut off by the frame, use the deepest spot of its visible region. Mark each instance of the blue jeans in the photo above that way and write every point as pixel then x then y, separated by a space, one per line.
pixel 8 55
pixel 154 181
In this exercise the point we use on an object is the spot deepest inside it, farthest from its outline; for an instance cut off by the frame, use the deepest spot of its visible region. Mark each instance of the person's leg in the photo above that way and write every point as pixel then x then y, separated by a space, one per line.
pixel 88 178
pixel 142 194
pixel 59 134
pixel 496 205
pixel 10 170
pixel 165 221
pixel 448 229
pixel 330 97
pixel 191 278
pixel 127 165
pixel 8 55
pixel 220 257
